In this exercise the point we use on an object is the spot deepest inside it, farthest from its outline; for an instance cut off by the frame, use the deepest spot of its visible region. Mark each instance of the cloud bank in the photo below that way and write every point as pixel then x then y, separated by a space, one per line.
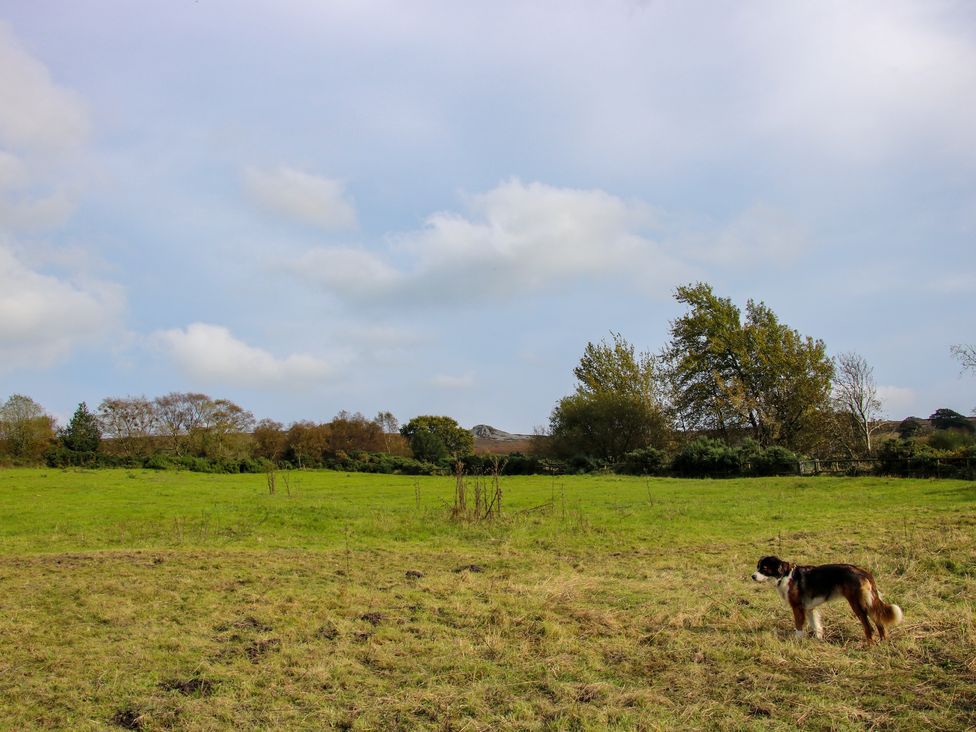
pixel 210 354
pixel 43 318
pixel 520 240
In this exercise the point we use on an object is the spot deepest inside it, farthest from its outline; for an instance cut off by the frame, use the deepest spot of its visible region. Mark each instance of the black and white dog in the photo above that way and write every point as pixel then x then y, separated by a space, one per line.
pixel 804 588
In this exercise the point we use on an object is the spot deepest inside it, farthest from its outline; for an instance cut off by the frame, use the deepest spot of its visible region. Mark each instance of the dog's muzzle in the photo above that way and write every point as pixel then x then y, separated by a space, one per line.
pixel 759 577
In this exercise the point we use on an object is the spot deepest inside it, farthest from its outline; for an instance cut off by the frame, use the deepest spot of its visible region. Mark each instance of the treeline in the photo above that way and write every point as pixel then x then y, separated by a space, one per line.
pixel 737 393
pixel 732 393
pixel 196 432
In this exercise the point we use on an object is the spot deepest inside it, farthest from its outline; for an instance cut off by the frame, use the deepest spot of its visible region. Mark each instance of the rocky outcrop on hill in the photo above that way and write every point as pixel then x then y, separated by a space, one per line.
pixel 487 432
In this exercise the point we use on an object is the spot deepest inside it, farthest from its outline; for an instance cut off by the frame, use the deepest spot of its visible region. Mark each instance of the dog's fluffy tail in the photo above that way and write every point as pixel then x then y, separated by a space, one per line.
pixel 883 613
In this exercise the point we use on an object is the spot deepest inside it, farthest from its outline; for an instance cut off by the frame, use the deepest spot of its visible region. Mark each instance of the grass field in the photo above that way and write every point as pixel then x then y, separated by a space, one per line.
pixel 146 600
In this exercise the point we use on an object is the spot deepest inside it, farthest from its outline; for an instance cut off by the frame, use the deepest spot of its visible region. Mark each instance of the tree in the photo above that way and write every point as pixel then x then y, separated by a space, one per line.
pixel 856 394
pixel 349 432
pixel 605 425
pixel 390 426
pixel 457 441
pixel 614 410
pixel 220 430
pixel 130 422
pixel 909 427
pixel 26 429
pixel 726 373
pixel 428 447
pixel 178 414
pixel 616 369
pixel 948 419
pixel 269 440
pixel 305 442
pixel 83 433
pixel 965 353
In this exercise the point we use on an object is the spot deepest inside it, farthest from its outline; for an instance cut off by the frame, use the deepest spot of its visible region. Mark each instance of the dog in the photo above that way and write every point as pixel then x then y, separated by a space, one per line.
pixel 805 588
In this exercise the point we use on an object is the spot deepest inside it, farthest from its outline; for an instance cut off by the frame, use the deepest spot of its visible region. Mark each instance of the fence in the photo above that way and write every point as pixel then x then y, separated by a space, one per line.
pixel 912 467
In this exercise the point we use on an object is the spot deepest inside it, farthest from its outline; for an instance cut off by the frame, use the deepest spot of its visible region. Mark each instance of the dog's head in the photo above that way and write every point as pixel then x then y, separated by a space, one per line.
pixel 771 568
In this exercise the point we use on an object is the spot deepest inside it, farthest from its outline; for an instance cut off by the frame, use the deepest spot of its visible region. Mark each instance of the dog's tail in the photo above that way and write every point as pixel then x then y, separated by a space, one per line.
pixel 882 612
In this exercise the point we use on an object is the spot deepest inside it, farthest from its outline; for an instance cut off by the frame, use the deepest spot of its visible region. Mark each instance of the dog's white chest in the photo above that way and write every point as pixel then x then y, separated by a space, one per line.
pixel 783 587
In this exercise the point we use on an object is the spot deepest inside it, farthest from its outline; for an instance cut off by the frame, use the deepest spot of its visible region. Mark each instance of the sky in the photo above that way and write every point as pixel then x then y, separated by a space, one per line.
pixel 430 207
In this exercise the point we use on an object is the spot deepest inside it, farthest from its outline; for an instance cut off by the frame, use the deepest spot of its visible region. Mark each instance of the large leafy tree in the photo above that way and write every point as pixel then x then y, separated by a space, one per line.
pixel 614 409
pixel 615 368
pixel 26 429
pixel 605 425
pixel 419 431
pixel 727 372
pixel 949 419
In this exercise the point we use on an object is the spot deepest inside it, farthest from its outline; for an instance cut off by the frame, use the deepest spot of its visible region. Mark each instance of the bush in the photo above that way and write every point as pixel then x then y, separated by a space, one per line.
pixel 63 457
pixel 644 461
pixel 585 464
pixel 906 457
pixel 706 456
pixel 773 460
pixel 909 427
pixel 951 440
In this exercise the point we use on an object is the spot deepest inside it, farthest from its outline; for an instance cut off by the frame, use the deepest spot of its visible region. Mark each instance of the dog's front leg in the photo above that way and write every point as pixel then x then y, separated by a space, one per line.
pixel 799 620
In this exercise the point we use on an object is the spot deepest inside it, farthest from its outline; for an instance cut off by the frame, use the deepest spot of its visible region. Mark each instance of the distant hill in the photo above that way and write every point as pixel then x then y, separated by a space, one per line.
pixel 488 439
pixel 487 432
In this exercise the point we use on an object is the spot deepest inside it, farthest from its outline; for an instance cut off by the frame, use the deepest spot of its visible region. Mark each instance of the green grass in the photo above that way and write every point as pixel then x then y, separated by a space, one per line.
pixel 185 601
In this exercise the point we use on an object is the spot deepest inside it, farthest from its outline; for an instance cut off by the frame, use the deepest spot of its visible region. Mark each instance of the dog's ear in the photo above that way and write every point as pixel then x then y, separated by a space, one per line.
pixel 785 568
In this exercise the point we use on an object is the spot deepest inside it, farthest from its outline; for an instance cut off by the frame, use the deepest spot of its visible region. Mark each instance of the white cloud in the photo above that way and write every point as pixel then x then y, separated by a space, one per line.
pixel 310 199
pixel 43 318
pixel 41 126
pixel 523 239
pixel 210 354
pixel 36 114
pixel 516 239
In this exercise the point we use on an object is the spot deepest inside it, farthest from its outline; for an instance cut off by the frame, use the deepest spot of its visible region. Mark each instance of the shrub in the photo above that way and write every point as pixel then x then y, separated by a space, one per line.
pixel 951 440
pixel 773 460
pixel 909 427
pixel 644 461
pixel 585 464
pixel 706 456
pixel 906 457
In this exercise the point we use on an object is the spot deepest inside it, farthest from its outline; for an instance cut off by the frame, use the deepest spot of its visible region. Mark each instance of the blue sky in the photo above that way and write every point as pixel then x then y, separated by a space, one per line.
pixel 431 207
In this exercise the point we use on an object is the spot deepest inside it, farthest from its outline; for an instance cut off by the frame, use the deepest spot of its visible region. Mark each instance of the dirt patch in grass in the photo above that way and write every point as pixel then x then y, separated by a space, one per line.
pixel 373 618
pixel 190 687
pixel 128 718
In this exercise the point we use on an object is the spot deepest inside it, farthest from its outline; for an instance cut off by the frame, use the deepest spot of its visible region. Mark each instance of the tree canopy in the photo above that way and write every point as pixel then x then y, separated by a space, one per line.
pixel 725 372
pixel 425 432
pixel 614 409
pixel 26 429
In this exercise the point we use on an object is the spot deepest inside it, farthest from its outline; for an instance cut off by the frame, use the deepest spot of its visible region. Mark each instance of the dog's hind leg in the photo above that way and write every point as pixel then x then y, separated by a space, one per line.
pixel 862 615
pixel 814 622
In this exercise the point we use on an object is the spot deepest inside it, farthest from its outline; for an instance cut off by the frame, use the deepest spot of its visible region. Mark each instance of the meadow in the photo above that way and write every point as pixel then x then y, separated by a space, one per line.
pixel 173 600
